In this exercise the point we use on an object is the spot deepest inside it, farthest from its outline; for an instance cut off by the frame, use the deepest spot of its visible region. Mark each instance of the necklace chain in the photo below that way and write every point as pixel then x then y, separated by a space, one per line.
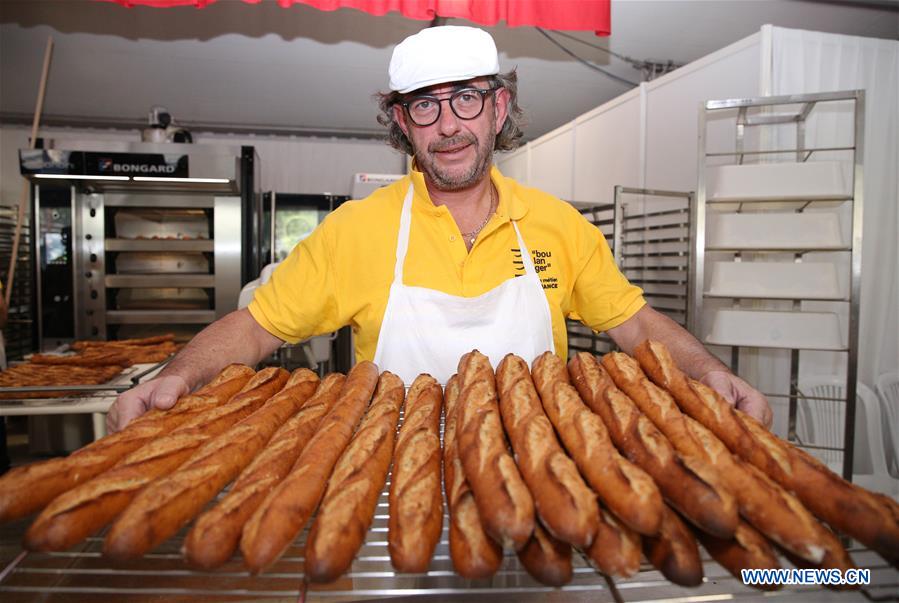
pixel 471 236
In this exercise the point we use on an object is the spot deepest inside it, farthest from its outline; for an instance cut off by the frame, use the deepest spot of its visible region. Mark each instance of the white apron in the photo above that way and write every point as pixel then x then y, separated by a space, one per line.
pixel 427 331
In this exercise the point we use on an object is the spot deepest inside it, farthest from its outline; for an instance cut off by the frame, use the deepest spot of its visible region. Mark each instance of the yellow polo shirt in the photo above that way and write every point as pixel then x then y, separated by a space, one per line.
pixel 341 274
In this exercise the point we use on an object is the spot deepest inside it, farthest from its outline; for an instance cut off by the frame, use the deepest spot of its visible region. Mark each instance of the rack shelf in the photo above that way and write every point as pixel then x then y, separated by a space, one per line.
pixel 783 181
pixel 159 280
pixel 775 280
pixel 773 249
pixel 773 329
pixel 140 317
pixel 179 245
pixel 775 230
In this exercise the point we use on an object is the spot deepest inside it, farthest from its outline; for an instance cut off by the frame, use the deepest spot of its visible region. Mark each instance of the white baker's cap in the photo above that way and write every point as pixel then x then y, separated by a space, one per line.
pixel 437 55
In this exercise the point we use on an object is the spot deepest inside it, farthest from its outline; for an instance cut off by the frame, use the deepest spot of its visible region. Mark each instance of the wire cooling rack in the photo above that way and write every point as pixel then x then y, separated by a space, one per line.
pixel 84 575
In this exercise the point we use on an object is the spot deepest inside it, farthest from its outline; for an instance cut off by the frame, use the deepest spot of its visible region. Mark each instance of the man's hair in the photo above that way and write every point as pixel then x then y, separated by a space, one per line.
pixel 508 139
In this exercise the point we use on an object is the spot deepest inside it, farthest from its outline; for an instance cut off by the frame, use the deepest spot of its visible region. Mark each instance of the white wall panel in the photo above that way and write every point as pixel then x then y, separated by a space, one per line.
pixel 609 146
pixel 514 165
pixel 672 109
pixel 314 165
pixel 552 162
pixel 607 150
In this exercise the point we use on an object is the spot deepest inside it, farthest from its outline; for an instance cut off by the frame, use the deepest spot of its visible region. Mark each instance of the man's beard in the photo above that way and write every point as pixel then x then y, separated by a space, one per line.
pixel 445 180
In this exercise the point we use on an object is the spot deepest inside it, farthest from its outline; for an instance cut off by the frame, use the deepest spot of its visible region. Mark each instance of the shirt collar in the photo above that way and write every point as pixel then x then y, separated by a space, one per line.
pixel 510 205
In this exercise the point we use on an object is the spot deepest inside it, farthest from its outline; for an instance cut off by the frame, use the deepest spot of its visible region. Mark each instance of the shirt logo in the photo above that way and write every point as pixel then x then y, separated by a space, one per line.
pixel 542 260
pixel 517 262
pixel 542 263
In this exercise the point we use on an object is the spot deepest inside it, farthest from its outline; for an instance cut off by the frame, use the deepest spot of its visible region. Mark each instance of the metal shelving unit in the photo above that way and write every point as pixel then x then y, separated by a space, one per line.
pixel 648 232
pixel 763 221
pixel 19 332
pixel 652 246
pixel 581 338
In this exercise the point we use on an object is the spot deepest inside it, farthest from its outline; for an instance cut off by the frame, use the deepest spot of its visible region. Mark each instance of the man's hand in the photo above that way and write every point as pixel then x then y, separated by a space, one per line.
pixel 161 392
pixel 740 394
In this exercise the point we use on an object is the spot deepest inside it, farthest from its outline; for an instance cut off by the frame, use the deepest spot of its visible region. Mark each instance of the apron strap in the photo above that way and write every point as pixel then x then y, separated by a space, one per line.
pixel 402 239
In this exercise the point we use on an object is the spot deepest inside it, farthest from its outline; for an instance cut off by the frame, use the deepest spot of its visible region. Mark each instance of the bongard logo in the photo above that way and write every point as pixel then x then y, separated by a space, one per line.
pixel 138 168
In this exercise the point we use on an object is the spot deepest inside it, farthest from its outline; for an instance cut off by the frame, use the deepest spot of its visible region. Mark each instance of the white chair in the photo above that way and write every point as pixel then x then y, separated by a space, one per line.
pixel 820 422
pixel 888 392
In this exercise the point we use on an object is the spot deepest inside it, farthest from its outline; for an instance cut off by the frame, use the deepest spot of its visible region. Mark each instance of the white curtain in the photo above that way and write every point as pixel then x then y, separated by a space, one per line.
pixel 806 62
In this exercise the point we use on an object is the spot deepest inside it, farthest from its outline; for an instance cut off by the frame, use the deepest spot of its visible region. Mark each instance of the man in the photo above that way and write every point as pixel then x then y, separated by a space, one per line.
pixel 452 257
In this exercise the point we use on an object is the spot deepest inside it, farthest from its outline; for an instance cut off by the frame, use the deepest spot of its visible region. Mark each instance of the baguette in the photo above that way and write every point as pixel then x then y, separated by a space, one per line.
pixel 835 555
pixel 764 504
pixel 223 385
pixel 143 353
pixel 689 484
pixel 504 502
pixel 474 554
pixel 674 551
pixel 287 508
pixel 215 535
pixel 163 507
pixel 616 549
pixel 25 490
pixel 624 488
pixel 767 506
pixel 832 554
pixel 845 507
pixel 748 549
pixel 347 508
pixel 92 343
pixel 416 501
pixel 564 503
pixel 100 359
pixel 546 559
pixel 654 402
pixel 80 512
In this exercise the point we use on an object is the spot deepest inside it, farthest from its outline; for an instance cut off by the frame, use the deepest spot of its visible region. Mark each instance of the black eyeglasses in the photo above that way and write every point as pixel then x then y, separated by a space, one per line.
pixel 467 103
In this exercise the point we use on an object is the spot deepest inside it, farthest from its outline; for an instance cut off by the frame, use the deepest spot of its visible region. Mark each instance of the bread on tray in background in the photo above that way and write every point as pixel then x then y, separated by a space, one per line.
pixel 93 363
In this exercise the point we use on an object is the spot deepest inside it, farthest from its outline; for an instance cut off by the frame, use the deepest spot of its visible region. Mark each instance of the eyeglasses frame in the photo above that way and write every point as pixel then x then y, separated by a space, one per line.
pixel 482 91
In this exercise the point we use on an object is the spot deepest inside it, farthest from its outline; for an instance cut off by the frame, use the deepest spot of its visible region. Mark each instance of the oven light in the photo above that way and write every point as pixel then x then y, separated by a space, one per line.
pixel 79 177
pixel 165 179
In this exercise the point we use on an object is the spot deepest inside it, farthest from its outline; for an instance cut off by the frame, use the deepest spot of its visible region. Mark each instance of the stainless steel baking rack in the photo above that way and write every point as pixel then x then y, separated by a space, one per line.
pixel 85 575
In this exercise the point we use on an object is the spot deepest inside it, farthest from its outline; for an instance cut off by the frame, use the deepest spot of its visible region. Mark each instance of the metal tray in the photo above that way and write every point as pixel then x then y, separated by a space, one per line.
pixel 83 574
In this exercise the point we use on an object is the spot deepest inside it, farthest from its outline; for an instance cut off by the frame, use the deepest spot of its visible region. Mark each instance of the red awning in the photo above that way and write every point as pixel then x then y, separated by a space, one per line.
pixel 572 15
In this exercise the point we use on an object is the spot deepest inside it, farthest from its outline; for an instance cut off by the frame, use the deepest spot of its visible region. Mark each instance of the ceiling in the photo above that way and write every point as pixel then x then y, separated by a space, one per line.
pixel 262 68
